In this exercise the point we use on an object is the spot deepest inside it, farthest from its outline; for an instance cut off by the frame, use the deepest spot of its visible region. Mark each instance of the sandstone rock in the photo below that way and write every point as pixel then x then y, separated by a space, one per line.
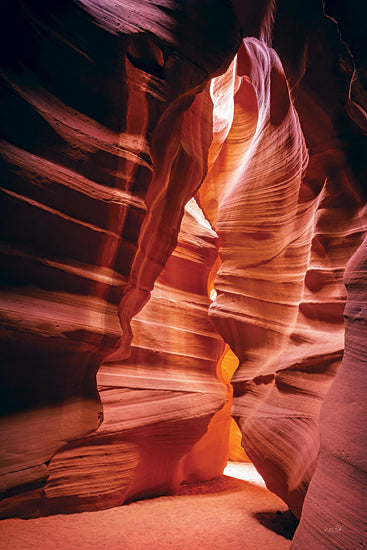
pixel 111 122
pixel 286 228
pixel 102 108
pixel 334 513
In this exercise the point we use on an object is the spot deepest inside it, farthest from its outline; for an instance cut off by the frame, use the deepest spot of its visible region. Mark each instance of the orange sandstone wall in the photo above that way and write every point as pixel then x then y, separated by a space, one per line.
pixel 158 402
pixel 106 124
pixel 284 193
pixel 115 383
pixel 284 238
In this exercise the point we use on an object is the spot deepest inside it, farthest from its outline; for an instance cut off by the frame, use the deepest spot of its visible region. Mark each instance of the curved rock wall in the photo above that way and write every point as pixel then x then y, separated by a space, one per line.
pixel 334 514
pixel 111 121
pixel 102 110
pixel 285 196
pixel 158 402
pixel 265 234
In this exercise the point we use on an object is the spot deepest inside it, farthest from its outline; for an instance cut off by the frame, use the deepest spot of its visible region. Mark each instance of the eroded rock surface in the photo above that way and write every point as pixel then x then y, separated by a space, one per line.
pixel 334 513
pixel 284 193
pixel 113 117
pixel 102 110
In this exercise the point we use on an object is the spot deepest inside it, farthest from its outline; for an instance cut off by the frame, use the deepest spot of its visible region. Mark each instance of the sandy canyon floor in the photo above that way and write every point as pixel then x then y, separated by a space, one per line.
pixel 236 513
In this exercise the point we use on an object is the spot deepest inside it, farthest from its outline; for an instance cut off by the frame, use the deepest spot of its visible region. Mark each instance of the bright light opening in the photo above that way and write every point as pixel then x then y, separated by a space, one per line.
pixel 245 471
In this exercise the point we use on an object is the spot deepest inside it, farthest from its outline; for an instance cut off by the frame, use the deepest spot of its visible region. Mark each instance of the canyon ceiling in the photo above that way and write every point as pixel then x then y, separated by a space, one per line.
pixel 183 238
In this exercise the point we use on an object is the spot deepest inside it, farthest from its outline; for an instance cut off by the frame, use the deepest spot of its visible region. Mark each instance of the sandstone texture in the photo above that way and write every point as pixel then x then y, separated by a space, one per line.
pixel 100 127
pixel 334 514
pixel 135 319
pixel 289 213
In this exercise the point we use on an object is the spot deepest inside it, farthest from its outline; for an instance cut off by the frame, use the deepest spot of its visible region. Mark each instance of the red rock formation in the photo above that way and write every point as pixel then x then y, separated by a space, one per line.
pixel 284 237
pixel 334 513
pixel 262 230
pixel 157 403
pixel 102 110
pixel 109 127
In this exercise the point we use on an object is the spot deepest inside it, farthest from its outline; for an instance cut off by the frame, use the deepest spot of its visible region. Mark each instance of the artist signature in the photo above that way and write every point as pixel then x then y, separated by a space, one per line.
pixel 335 529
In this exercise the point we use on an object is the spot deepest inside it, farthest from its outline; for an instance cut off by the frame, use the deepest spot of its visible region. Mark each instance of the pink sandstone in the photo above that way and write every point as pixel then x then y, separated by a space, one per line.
pixel 115 383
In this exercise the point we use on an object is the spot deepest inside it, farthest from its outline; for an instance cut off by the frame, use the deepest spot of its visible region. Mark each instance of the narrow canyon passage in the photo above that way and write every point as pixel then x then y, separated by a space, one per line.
pixel 225 513
pixel 183 268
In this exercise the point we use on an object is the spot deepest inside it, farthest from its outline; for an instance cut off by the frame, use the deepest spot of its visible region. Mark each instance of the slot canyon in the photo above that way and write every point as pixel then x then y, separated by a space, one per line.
pixel 183 262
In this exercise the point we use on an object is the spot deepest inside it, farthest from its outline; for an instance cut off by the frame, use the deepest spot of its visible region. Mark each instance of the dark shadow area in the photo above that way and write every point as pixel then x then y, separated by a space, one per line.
pixel 282 523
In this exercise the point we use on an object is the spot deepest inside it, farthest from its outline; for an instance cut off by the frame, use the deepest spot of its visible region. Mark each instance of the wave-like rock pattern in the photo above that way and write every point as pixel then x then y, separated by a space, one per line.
pixel 103 108
pixel 334 513
pixel 286 228
pixel 158 402
pixel 263 230
pixel 175 352
pixel 109 126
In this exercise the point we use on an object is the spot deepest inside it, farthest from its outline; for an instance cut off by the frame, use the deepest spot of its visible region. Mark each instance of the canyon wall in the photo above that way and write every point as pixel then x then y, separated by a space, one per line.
pixel 334 513
pixel 104 138
pixel 284 192
pixel 115 383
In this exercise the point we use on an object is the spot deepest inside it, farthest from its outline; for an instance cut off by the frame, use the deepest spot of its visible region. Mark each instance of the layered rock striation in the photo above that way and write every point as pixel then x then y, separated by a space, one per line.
pixel 102 111
pixel 284 193
pixel 115 383
pixel 334 513
pixel 158 402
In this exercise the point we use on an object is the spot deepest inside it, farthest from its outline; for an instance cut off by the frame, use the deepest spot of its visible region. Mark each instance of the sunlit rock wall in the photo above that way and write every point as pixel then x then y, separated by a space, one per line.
pixel 157 403
pixel 105 127
pixel 284 191
pixel 113 116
